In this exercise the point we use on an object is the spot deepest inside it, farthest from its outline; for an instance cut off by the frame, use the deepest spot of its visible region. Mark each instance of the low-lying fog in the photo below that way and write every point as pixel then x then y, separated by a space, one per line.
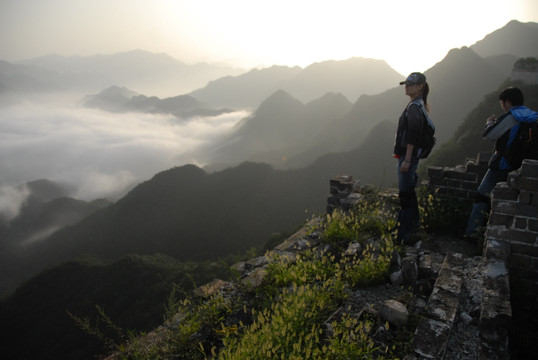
pixel 102 154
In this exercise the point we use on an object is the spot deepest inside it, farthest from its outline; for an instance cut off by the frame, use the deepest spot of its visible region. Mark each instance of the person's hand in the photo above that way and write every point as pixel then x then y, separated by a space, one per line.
pixel 405 166
pixel 490 119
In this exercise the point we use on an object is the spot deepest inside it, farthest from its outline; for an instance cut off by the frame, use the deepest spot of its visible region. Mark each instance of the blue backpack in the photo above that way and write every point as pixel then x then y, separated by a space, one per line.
pixel 523 140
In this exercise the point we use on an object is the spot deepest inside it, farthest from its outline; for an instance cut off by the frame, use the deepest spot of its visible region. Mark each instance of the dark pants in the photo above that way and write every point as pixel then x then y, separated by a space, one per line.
pixel 482 204
pixel 408 217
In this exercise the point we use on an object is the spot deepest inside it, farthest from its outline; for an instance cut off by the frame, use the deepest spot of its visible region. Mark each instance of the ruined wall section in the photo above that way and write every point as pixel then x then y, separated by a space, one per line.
pixel 512 232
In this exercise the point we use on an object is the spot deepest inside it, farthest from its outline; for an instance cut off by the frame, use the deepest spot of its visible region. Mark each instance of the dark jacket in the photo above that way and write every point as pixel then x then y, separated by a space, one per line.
pixel 499 131
pixel 410 127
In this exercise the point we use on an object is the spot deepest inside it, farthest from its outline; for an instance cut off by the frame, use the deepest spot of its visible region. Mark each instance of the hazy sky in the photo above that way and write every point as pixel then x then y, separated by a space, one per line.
pixel 409 35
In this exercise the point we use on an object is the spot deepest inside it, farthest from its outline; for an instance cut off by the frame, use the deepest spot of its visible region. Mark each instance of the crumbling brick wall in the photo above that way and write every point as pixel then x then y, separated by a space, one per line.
pixel 510 256
pixel 512 232
pixel 460 181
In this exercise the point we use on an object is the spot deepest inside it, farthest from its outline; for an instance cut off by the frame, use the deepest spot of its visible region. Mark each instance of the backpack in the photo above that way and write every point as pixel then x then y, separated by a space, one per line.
pixel 427 140
pixel 522 144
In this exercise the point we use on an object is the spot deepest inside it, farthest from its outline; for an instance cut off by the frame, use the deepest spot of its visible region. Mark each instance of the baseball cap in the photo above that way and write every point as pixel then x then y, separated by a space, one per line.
pixel 414 79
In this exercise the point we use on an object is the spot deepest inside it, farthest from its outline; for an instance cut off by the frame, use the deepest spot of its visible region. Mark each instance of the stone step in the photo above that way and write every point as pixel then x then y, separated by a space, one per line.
pixel 433 331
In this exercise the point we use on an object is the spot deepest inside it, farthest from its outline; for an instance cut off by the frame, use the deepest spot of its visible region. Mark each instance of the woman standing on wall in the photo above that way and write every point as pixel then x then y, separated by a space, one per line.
pixel 407 151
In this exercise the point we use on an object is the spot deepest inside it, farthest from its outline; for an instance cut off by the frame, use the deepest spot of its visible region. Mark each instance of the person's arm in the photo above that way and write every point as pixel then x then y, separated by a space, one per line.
pixel 407 161
pixel 497 128
pixel 414 129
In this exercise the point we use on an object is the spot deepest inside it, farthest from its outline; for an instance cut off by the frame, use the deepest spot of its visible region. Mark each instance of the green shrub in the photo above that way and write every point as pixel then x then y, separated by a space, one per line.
pixel 367 219
pixel 442 214
pixel 286 313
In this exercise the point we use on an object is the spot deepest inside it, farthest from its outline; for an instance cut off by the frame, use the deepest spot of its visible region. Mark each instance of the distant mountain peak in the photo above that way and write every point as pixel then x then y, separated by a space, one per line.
pixel 516 38
pixel 278 100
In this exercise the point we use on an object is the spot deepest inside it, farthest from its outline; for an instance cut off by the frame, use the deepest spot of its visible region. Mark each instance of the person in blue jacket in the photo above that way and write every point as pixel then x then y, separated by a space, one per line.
pixel 500 130
pixel 407 151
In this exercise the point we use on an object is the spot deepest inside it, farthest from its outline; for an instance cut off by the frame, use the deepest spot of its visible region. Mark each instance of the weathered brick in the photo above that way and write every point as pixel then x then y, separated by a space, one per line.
pixel 435 172
pixel 433 340
pixel 495 313
pixel 449 281
pixel 475 168
pixel 520 261
pixel 529 168
pixel 497 232
pixel 468 185
pixel 519 236
pixel 527 210
pixel 533 225
pixel 520 223
pixel 505 207
pixel 436 181
pixel 453 183
pixel 342 183
pixel 500 219
pixel 528 197
pixel 459 175
pixel 442 305
pixel 526 249
pixel 498 249
pixel 525 183
pixel 462 194
pixel 455 193
pixel 504 192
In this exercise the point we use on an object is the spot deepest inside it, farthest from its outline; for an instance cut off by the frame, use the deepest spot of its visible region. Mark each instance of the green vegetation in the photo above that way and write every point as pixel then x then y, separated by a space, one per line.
pixel 284 317
pixel 442 214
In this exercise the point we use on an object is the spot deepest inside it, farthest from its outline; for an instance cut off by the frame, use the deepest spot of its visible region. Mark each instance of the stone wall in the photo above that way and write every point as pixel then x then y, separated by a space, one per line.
pixel 512 232
pixel 510 255
pixel 461 181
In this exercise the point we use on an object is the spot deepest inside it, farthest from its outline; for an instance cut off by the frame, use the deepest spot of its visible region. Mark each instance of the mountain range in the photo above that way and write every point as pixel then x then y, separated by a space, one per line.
pixel 141 71
pixel 190 213
pixel 319 139
pixel 116 99
pixel 352 78
pixel 285 136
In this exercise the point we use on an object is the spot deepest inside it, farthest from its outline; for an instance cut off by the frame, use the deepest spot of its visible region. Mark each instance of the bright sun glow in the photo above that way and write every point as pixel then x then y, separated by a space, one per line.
pixel 408 35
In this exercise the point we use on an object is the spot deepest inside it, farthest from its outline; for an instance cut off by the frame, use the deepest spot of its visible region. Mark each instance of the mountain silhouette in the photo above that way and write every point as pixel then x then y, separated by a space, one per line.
pixel 18 78
pixel 282 129
pixel 247 90
pixel 457 83
pixel 190 215
pixel 143 71
pixel 352 78
pixel 47 209
pixel 116 99
pixel 515 38
pixel 37 314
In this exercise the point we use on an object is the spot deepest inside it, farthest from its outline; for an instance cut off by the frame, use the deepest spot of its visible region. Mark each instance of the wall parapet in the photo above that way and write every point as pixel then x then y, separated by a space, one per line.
pixel 510 253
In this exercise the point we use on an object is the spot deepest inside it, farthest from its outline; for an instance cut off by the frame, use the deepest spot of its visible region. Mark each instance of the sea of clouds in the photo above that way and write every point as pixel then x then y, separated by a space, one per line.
pixel 101 154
